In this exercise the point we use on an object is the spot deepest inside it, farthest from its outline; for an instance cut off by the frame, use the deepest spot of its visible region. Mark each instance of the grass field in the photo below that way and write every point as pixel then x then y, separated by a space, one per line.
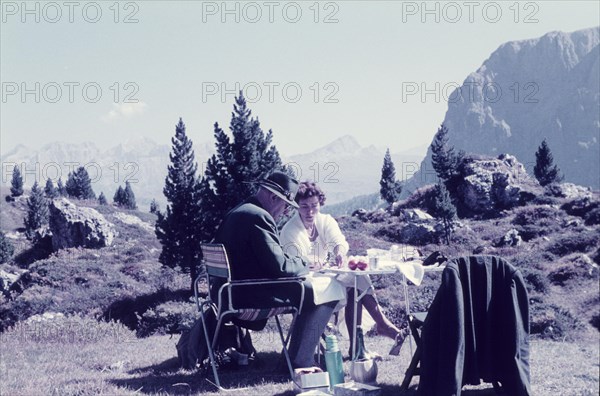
pixel 77 355
pixel 82 357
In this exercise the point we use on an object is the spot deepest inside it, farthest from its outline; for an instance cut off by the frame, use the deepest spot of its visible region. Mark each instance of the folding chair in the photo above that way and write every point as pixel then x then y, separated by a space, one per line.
pixel 415 323
pixel 477 328
pixel 218 273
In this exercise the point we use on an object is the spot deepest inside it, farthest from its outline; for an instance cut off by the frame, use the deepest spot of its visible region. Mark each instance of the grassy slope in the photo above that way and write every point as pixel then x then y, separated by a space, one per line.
pixel 83 360
pixel 120 281
pixel 99 358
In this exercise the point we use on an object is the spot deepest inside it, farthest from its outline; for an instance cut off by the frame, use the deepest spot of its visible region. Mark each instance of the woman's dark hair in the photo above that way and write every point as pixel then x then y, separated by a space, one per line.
pixel 308 189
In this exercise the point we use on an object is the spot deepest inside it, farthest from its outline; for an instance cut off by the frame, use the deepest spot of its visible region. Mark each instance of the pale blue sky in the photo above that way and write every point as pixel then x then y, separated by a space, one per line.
pixel 178 47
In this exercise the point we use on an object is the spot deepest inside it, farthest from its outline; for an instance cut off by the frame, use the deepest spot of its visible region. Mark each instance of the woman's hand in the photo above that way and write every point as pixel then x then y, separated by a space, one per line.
pixel 339 260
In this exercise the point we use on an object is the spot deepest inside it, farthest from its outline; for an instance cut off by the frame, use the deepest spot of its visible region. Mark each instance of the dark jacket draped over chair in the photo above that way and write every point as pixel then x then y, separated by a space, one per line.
pixel 477 328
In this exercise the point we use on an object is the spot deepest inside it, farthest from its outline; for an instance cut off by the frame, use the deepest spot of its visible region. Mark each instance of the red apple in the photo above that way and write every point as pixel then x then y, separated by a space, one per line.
pixel 362 265
pixel 352 264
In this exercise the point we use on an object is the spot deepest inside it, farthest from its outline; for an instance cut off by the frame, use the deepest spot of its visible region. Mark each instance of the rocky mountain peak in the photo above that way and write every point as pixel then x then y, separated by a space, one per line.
pixel 528 91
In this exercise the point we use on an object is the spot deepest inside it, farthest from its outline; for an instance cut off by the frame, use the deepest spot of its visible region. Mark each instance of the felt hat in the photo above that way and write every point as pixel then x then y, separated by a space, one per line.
pixel 282 185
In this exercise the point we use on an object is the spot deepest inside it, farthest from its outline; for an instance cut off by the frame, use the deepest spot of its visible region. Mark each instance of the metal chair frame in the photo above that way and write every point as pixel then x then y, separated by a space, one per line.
pixel 217 266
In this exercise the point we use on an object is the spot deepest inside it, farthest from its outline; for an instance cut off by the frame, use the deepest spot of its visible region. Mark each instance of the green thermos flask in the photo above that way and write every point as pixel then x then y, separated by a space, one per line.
pixel 333 361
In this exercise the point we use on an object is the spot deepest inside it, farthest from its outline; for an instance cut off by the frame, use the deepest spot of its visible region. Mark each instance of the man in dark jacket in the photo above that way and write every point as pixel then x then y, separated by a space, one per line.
pixel 251 239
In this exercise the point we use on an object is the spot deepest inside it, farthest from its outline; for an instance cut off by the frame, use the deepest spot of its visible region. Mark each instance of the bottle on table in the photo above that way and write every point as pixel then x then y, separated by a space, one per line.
pixel 361 353
pixel 363 368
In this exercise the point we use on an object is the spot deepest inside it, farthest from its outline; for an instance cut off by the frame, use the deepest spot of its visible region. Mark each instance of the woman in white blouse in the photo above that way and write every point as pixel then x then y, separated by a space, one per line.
pixel 317 236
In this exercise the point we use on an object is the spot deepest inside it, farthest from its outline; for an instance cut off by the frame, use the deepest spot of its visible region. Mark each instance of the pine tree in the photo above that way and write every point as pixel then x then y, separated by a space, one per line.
pixel 60 188
pixel 129 197
pixel 154 207
pixel 444 209
pixel 50 191
pixel 444 160
pixel 390 188
pixel 176 228
pixel 119 196
pixel 16 184
pixel 102 199
pixel 79 185
pixel 245 157
pixel 37 211
pixel 544 170
pixel 6 248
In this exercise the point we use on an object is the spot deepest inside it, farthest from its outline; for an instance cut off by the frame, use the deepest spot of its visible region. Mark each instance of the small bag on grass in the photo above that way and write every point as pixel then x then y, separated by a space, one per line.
pixel 192 349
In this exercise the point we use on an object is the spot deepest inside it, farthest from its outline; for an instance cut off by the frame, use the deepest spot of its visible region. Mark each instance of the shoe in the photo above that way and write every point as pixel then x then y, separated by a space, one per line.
pixel 368 355
pixel 374 356
pixel 399 340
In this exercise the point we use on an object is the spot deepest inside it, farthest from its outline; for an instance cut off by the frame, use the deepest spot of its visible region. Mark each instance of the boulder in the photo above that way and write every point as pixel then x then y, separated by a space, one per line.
pixel 511 238
pixel 8 279
pixel 567 190
pixel 74 226
pixel 360 214
pixel 414 216
pixel 417 234
pixel 487 186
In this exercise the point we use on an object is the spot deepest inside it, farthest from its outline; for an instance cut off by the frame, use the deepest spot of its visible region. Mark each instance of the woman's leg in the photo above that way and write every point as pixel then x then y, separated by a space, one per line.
pixel 384 326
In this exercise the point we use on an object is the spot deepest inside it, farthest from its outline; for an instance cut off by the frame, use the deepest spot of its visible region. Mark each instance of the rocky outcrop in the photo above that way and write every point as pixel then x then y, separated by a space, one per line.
pixel 418 233
pixel 527 91
pixel 409 233
pixel 414 215
pixel 74 226
pixel 568 190
pixel 9 278
pixel 487 186
pixel 511 238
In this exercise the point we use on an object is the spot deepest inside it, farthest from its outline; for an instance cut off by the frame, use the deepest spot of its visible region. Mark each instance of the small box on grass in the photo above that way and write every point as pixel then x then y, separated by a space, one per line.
pixel 356 389
pixel 311 381
pixel 314 393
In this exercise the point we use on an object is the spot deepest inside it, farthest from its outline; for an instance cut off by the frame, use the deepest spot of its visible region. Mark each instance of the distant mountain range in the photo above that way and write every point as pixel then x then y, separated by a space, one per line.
pixel 342 167
pixel 142 162
pixel 527 91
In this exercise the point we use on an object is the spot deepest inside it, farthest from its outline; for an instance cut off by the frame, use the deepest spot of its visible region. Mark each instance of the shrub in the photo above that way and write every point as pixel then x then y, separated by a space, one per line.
pixel 596 256
pixel 167 318
pixel 577 266
pixel 580 206
pixel 532 214
pixel 592 217
pixel 535 280
pixel 582 241
pixel 545 200
pixel 536 221
pixel 532 231
pixel 552 322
